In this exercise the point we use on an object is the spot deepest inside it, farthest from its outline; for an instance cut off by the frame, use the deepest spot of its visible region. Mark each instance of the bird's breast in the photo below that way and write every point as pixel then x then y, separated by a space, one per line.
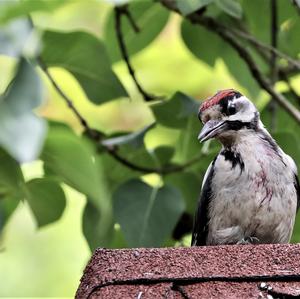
pixel 252 189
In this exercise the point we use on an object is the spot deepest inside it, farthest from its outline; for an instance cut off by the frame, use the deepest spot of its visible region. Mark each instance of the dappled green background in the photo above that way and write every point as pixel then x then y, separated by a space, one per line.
pixel 49 261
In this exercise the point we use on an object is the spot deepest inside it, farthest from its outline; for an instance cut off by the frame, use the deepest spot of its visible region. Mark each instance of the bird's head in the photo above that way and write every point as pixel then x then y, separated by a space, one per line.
pixel 225 114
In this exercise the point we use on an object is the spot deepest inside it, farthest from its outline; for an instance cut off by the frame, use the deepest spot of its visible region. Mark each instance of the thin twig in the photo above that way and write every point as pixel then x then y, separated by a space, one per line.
pixel 119 11
pixel 261 45
pixel 95 136
pixel 282 72
pixel 163 171
pixel 246 36
pixel 218 28
pixel 130 18
pixel 273 65
pixel 91 132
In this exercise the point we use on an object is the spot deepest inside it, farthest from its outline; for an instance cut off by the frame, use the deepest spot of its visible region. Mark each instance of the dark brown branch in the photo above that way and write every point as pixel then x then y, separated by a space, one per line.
pixel 162 171
pixel 248 37
pixel 273 64
pixel 226 34
pixel 91 132
pixel 119 11
pixel 96 136
pixel 214 26
pixel 258 44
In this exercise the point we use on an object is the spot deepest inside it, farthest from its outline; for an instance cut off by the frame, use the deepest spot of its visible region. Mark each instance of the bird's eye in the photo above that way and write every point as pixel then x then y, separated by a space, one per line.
pixel 231 110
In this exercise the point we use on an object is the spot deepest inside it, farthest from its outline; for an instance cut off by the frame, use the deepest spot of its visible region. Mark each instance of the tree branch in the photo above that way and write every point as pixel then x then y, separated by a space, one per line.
pixel 119 11
pixel 214 26
pixel 91 132
pixel 162 171
pixel 226 34
pixel 96 136
pixel 258 44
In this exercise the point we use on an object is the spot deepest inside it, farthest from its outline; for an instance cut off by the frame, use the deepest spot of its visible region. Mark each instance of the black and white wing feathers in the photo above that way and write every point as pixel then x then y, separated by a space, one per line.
pixel 200 229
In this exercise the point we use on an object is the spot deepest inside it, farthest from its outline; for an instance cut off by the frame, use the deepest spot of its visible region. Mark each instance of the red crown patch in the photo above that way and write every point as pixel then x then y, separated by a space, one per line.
pixel 215 99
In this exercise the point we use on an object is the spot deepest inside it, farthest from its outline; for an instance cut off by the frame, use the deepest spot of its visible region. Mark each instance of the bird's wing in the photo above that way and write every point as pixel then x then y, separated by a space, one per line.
pixel 200 228
pixel 296 180
pixel 297 186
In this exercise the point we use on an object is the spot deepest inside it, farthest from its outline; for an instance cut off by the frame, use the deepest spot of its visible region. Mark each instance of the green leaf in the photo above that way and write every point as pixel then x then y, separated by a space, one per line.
pixel 7 207
pixel 283 119
pixel 188 145
pixel 208 47
pixel 12 9
pixel 189 185
pixel 11 177
pixel 11 186
pixel 93 229
pixel 296 230
pixel 46 199
pixel 288 20
pixel 260 27
pixel 163 154
pixel 290 143
pixel 84 56
pixel 132 148
pixel 147 215
pixel 73 160
pixel 288 37
pixel 116 173
pixel 150 17
pixel 231 7
pixel 196 39
pixel 188 6
pixel 118 240
pixel 135 139
pixel 240 71
pixel 21 132
pixel 13 37
pixel 174 113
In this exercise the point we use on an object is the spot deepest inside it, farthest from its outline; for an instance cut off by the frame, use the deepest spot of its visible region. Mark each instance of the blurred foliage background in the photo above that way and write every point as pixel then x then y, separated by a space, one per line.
pixel 131 175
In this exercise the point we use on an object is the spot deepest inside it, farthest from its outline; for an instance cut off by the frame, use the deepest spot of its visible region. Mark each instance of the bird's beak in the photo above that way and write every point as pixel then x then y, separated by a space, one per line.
pixel 211 129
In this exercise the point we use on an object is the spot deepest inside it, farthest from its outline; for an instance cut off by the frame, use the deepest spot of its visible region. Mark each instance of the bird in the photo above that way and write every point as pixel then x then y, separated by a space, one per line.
pixel 250 192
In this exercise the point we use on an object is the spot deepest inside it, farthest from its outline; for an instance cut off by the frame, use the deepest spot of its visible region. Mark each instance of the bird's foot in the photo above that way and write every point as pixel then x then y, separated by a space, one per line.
pixel 248 240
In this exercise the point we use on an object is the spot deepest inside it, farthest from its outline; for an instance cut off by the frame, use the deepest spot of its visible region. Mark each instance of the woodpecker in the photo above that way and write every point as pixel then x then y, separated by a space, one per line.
pixel 250 192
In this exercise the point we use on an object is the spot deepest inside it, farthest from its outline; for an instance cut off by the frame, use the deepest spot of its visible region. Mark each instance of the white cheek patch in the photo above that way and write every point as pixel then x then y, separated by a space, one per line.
pixel 245 110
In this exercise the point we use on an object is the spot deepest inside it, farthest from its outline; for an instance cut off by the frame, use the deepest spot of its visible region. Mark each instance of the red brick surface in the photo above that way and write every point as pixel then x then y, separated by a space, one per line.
pixel 197 272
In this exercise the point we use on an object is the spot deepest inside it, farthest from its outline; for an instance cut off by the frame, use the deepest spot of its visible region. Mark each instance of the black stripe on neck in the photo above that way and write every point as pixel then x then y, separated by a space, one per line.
pixel 234 157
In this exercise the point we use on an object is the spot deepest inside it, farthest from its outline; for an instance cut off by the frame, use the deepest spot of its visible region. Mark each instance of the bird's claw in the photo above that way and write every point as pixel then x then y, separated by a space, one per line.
pixel 248 240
